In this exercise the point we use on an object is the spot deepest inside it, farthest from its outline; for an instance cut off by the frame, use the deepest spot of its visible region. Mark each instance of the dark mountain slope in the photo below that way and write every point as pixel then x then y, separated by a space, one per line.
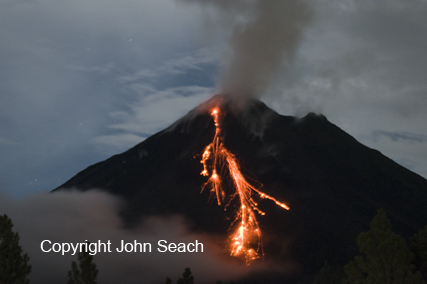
pixel 333 184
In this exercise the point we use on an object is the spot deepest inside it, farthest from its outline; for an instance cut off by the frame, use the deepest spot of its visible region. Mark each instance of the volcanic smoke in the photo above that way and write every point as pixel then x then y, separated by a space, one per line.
pixel 246 241
pixel 262 36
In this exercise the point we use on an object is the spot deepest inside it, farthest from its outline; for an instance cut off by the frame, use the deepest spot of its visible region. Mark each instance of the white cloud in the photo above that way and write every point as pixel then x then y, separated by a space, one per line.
pixel 183 64
pixel 117 143
pixel 144 116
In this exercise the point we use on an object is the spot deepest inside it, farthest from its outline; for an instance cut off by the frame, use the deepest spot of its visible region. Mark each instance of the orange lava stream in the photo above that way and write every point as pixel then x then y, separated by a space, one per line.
pixel 246 241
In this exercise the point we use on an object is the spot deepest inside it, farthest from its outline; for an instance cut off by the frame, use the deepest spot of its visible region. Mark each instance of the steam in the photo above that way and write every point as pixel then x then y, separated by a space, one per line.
pixel 264 35
pixel 79 216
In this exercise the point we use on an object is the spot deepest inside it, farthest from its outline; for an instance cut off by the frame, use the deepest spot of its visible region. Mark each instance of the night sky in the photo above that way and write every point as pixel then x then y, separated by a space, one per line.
pixel 83 80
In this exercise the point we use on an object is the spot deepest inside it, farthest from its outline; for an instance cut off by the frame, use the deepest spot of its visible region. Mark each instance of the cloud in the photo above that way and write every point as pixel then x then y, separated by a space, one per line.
pixel 362 65
pixel 61 66
pixel 173 102
pixel 6 141
pixel 397 136
pixel 154 110
pixel 72 217
pixel 78 77
pixel 196 63
pixel 118 142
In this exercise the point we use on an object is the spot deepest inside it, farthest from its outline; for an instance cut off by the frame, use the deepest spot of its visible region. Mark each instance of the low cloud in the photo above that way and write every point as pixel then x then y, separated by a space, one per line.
pixel 72 217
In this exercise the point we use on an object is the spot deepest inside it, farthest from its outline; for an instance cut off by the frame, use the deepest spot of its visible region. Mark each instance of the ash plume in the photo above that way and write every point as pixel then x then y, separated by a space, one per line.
pixel 263 36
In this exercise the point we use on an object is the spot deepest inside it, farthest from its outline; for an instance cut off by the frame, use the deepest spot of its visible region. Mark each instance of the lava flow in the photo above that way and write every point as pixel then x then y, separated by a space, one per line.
pixel 246 241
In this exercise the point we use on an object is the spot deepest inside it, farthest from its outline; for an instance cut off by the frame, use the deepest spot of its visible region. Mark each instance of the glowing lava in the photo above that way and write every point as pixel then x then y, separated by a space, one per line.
pixel 246 241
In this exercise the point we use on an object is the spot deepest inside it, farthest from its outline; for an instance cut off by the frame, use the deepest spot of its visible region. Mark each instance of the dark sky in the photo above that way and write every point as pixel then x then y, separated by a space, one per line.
pixel 83 80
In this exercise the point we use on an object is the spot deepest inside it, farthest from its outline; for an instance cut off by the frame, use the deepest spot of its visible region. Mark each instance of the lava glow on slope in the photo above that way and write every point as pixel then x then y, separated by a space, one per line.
pixel 246 241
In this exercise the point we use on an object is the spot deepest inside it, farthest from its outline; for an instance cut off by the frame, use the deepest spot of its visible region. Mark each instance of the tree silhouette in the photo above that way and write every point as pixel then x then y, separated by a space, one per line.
pixel 419 248
pixel 14 267
pixel 385 257
pixel 85 272
pixel 187 278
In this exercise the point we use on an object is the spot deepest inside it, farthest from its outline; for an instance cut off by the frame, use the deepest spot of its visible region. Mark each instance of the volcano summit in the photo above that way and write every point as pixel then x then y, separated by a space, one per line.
pixel 332 183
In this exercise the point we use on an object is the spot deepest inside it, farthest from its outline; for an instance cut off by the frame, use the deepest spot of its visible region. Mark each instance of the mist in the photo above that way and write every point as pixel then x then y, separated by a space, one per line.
pixel 72 217
pixel 263 37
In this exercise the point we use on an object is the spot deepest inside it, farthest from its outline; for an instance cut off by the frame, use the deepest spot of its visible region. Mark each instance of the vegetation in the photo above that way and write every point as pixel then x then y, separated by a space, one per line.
pixel 187 278
pixel 419 248
pixel 384 258
pixel 85 272
pixel 14 267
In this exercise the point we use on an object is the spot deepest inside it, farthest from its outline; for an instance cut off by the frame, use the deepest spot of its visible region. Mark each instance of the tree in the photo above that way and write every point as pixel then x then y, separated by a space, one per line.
pixel 187 278
pixel 14 267
pixel 85 272
pixel 385 257
pixel 419 248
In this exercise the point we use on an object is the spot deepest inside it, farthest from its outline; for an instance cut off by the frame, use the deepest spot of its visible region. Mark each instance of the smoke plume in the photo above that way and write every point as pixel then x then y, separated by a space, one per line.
pixel 263 35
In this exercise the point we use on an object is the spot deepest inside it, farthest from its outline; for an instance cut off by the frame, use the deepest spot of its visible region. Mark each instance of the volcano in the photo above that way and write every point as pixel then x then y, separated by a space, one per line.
pixel 332 183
